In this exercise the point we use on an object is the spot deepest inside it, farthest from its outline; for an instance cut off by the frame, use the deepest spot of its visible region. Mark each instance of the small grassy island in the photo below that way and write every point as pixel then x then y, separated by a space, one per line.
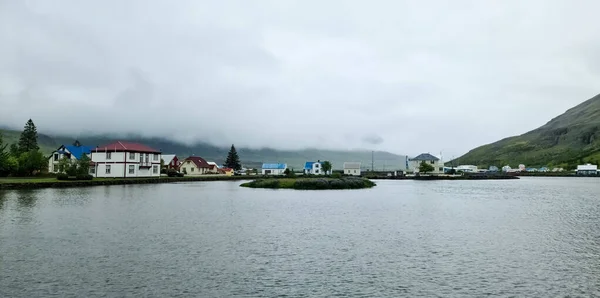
pixel 311 183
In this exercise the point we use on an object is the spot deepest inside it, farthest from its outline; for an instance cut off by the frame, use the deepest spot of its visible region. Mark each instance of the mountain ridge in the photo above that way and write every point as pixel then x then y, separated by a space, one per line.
pixel 566 140
pixel 249 157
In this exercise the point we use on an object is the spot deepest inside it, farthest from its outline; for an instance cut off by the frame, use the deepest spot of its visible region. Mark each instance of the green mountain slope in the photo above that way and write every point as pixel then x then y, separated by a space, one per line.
pixel 567 140
pixel 249 157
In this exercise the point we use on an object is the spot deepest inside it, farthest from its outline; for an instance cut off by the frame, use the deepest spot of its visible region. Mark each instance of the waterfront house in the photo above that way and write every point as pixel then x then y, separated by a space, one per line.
pixel 213 168
pixel 352 168
pixel 313 168
pixel 467 169
pixel 415 162
pixel 170 161
pixel 226 171
pixel 493 169
pixel 273 168
pixel 587 169
pixel 73 152
pixel 522 168
pixel 125 160
pixel 506 168
pixel 194 166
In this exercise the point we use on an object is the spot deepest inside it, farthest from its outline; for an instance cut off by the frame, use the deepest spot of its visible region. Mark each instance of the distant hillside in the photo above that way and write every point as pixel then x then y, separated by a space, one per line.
pixel 567 140
pixel 249 157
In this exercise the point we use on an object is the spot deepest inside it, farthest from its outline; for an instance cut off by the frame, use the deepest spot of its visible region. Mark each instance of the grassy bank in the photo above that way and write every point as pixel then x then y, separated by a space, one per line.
pixel 50 182
pixel 311 183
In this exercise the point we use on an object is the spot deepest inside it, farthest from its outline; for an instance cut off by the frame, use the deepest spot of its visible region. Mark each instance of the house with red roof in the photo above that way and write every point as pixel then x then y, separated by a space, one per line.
pixel 194 166
pixel 125 160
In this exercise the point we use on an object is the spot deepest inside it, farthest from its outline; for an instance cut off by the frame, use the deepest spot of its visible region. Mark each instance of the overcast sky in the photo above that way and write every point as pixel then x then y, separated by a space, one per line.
pixel 402 76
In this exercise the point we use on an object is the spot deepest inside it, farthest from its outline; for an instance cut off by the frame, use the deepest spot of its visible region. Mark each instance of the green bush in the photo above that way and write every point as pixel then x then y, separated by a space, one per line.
pixel 84 177
pixel 62 176
pixel 336 175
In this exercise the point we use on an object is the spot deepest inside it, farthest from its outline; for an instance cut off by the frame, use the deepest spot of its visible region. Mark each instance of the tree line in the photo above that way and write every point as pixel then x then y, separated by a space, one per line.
pixel 23 158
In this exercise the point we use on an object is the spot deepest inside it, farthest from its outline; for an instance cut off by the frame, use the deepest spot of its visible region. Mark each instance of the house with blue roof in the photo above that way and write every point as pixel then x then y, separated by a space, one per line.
pixel 273 168
pixel 73 152
pixel 313 168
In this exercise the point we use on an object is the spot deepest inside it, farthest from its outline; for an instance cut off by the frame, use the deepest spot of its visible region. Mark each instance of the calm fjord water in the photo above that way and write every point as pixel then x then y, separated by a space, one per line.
pixel 534 237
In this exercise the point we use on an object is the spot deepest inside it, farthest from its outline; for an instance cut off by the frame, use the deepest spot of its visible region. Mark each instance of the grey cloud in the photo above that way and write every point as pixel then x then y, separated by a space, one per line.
pixel 372 139
pixel 294 74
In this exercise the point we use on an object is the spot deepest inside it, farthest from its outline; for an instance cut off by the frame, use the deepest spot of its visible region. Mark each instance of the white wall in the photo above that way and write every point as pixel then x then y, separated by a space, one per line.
pixel 120 163
pixel 188 166
pixel 51 162
pixel 353 172
pixel 273 171
pixel 437 165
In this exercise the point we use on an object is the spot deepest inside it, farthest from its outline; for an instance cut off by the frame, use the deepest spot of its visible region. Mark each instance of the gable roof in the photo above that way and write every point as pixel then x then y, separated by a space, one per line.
pixel 309 164
pixel 198 161
pixel 122 146
pixel 425 156
pixel 352 165
pixel 78 151
pixel 168 158
pixel 274 166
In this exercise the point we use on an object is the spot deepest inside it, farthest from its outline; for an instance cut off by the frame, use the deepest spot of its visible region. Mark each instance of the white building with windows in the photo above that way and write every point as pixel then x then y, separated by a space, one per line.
pixel 314 168
pixel 352 168
pixel 436 163
pixel 72 152
pixel 125 160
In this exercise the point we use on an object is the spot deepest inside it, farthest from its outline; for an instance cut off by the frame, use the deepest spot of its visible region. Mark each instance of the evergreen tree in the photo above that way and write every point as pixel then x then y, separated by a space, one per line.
pixel 425 168
pixel 28 140
pixel 233 160
pixel 14 150
pixel 4 155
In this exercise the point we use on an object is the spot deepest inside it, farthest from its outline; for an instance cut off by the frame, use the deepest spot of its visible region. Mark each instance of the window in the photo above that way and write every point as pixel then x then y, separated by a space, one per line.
pixel 131 169
pixel 107 155
pixel 155 157
pixel 92 170
pixel 55 156
pixel 432 162
pixel 317 166
pixel 316 171
pixel 191 169
pixel 132 155
pixel 154 169
pixel 107 169
pixel 147 157
pixel 56 168
pixel 441 169
pixel 354 171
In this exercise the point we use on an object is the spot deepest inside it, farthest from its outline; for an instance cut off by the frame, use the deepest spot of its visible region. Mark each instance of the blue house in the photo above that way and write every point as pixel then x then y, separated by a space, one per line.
pixel 313 168
pixel 73 152
pixel 273 168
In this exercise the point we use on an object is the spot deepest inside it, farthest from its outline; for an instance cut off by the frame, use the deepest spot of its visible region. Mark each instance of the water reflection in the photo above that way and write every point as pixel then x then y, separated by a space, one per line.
pixel 80 196
pixel 3 198
pixel 26 198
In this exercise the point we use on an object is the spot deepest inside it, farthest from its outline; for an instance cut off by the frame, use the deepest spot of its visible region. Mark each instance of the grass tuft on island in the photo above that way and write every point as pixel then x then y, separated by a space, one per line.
pixel 311 183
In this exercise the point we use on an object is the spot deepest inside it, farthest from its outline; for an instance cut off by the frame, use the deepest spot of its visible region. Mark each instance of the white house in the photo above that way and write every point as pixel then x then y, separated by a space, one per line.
pixel 125 160
pixel 467 168
pixel 73 152
pixel 587 169
pixel 352 168
pixel 213 167
pixel 194 166
pixel 314 168
pixel 414 163
pixel 273 168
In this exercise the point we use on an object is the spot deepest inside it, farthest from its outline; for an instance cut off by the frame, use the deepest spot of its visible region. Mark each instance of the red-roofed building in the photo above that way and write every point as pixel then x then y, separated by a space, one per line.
pixel 226 171
pixel 124 160
pixel 194 166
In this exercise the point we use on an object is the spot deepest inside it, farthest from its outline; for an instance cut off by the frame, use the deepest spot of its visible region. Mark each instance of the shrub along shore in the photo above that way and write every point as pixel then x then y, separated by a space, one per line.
pixel 311 183
pixel 53 182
